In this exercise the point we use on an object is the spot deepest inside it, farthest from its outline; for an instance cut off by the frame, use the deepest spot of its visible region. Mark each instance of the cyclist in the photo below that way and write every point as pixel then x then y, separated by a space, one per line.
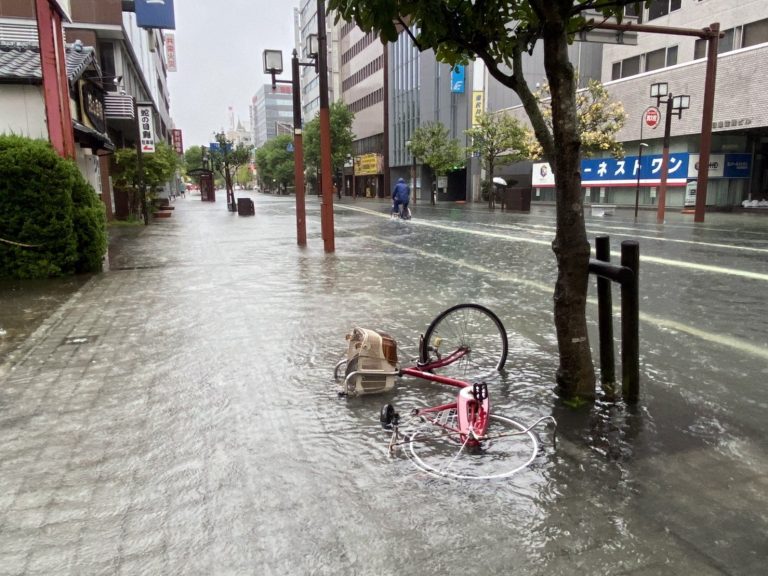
pixel 401 196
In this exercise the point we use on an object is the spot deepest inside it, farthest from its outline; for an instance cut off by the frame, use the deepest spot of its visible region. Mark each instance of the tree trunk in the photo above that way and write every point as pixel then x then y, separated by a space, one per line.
pixel 576 374
pixel 491 189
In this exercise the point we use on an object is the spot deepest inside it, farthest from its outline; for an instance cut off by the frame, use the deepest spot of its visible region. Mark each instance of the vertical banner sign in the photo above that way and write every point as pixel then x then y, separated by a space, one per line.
pixel 478 106
pixel 147 129
pixel 457 79
pixel 170 51
pixel 178 145
pixel 155 14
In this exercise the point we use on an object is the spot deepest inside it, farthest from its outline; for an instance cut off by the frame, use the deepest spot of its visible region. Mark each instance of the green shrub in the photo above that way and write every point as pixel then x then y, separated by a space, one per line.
pixel 49 225
pixel 89 219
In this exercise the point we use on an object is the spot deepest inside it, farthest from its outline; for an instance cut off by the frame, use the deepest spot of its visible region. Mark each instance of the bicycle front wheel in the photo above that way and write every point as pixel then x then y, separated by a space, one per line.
pixel 472 329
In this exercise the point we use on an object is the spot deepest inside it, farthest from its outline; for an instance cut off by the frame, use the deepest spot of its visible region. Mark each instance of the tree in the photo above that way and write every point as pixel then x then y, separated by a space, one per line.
pixel 158 168
pixel 275 162
pixel 600 119
pixel 193 158
pixel 341 118
pixel 499 32
pixel 497 139
pixel 432 143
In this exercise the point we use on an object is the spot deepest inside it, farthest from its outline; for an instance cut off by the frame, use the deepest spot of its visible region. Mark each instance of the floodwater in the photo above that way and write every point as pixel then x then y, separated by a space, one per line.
pixel 198 429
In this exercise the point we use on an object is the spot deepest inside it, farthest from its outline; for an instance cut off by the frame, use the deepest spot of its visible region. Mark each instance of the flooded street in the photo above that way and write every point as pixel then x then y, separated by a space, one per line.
pixel 178 414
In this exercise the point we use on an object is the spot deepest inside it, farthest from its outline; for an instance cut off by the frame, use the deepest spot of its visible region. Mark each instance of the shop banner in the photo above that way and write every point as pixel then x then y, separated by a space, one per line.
pixel 147 129
pixel 624 171
pixel 155 14
pixel 457 79
pixel 478 105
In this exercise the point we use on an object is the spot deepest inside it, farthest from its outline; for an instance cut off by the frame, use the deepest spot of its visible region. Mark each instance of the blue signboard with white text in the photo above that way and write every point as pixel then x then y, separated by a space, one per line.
pixel 155 14
pixel 457 79
pixel 625 171
pixel 738 166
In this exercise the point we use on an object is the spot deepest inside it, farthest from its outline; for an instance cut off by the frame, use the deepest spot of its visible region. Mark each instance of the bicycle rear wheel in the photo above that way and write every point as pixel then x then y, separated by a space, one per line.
pixel 474 329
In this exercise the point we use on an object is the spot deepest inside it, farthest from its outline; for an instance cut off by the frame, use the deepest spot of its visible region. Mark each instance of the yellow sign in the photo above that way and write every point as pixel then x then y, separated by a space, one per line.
pixel 478 105
pixel 367 165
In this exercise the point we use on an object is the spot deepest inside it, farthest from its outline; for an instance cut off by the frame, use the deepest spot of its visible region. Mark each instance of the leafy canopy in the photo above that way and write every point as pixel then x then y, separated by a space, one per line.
pixel 275 162
pixel 341 118
pixel 498 139
pixel 432 144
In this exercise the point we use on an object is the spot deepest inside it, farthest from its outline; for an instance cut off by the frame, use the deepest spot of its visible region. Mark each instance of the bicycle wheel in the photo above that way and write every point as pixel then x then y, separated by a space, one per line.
pixel 509 448
pixel 476 330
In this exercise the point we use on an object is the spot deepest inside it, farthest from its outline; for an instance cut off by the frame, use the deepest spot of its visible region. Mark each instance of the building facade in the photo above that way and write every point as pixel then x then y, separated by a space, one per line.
pixel 271 113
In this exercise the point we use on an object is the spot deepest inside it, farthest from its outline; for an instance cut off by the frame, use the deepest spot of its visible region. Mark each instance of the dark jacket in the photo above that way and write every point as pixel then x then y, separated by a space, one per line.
pixel 402 192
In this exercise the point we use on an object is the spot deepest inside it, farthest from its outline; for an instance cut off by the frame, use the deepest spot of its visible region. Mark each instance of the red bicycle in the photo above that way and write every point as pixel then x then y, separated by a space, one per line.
pixel 464 347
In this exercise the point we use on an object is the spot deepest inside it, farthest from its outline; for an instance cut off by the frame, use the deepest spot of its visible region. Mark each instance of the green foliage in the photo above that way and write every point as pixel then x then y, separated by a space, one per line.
pixel 52 222
pixel 275 163
pixel 341 118
pixel 158 168
pixel 498 139
pixel 89 220
pixel 432 144
pixel 193 158
pixel 226 155
pixel 600 119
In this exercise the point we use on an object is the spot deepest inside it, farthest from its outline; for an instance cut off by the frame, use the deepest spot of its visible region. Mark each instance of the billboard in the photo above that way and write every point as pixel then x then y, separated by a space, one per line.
pixel 178 144
pixel 146 129
pixel 170 51
pixel 478 105
pixel 457 79
pixel 155 14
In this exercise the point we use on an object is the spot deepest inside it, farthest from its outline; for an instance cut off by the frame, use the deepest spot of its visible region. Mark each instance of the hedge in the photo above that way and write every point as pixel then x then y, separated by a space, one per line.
pixel 51 221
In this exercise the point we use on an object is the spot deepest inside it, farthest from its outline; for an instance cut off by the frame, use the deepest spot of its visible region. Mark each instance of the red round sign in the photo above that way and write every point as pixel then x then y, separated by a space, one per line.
pixel 651 117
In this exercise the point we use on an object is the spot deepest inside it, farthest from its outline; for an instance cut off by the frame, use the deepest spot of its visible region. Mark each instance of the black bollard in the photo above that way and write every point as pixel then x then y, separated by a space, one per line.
pixel 605 321
pixel 630 322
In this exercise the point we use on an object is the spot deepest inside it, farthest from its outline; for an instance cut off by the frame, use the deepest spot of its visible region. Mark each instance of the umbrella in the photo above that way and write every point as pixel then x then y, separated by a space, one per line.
pixel 499 181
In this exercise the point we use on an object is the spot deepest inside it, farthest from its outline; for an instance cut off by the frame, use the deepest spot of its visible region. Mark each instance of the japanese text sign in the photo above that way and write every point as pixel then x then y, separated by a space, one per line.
pixel 146 129
pixel 155 14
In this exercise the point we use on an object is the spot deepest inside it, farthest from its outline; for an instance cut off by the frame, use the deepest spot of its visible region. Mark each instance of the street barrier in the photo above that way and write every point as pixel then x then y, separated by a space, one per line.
pixel 627 275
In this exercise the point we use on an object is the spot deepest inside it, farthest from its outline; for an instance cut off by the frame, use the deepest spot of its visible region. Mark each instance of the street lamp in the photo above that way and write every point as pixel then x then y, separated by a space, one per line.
pixel 408 145
pixel 273 65
pixel 674 106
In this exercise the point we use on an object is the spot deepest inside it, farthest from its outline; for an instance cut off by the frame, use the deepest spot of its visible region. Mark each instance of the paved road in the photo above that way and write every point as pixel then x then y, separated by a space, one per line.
pixel 177 415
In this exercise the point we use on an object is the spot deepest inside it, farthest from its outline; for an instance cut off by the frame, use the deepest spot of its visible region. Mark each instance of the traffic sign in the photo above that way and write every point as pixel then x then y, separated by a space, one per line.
pixel 651 117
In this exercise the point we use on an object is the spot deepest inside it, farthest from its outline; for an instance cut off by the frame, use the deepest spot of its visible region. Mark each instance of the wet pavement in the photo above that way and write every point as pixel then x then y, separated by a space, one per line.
pixel 177 414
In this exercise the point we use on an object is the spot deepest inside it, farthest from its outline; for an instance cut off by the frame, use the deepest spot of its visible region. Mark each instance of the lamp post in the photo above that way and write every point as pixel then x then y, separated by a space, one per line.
pixel 408 145
pixel 640 147
pixel 674 106
pixel 273 65
pixel 326 210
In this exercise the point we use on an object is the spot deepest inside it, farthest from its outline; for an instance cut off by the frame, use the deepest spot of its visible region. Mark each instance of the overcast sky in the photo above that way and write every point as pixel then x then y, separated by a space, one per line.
pixel 219 46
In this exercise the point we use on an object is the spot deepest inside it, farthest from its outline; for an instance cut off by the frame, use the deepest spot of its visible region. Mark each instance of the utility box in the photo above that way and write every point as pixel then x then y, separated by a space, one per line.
pixel 245 207
pixel 516 199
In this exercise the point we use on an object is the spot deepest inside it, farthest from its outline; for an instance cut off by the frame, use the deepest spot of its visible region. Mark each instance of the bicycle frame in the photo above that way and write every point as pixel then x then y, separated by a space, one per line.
pixel 472 406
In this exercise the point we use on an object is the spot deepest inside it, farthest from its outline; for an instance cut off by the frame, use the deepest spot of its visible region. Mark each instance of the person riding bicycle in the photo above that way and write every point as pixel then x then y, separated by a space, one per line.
pixel 401 196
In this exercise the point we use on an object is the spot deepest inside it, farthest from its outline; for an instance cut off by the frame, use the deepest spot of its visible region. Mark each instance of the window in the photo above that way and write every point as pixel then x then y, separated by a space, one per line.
pixel 616 71
pixel 726 44
pixel 635 11
pixel 655 60
pixel 671 55
pixel 661 8
pixel 630 66
pixel 755 33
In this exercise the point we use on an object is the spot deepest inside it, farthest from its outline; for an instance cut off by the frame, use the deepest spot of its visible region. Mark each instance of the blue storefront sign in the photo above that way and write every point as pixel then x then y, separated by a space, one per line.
pixel 738 166
pixel 625 171
pixel 457 79
pixel 155 14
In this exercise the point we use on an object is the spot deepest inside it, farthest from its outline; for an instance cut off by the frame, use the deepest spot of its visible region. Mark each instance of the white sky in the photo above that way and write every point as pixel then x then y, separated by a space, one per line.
pixel 219 45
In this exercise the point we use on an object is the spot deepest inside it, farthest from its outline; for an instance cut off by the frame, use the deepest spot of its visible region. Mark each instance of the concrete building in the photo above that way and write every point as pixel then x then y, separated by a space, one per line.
pixel 363 66
pixel 309 80
pixel 738 169
pixel 271 112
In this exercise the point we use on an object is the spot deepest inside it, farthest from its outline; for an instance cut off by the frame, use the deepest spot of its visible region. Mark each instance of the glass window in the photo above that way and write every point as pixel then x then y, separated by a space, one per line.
pixel 630 66
pixel 635 10
pixel 755 33
pixel 700 49
pixel 616 71
pixel 658 9
pixel 655 60
pixel 671 55
pixel 726 42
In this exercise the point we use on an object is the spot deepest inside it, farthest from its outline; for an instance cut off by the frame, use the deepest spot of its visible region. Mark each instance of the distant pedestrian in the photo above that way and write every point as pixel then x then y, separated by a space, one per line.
pixel 337 190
